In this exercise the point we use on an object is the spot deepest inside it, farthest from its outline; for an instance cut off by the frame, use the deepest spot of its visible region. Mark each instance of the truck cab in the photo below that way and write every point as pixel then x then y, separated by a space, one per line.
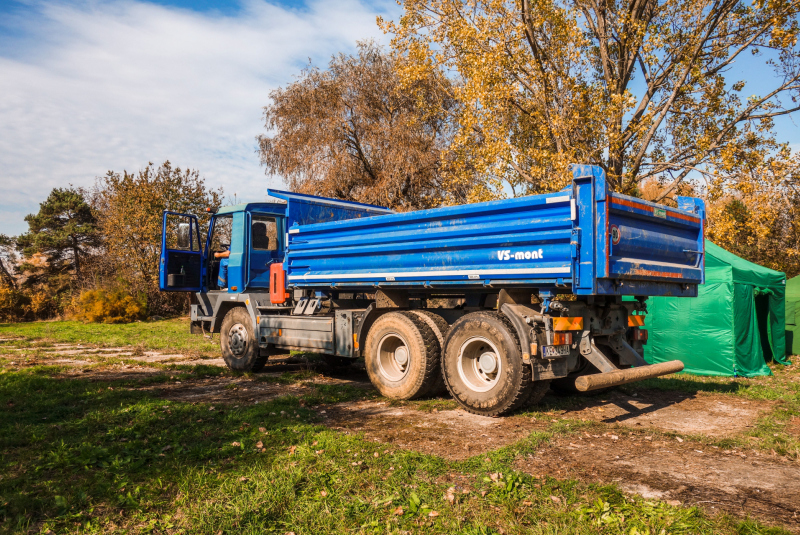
pixel 255 235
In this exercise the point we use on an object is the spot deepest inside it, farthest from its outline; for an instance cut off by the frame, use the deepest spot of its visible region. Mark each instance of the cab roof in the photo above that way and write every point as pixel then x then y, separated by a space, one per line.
pixel 271 207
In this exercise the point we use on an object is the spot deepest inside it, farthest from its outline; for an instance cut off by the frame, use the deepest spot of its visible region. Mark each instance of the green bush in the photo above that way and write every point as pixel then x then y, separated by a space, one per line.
pixel 109 306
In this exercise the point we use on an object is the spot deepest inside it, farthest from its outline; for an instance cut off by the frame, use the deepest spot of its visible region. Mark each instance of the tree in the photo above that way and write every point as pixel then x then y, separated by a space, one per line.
pixel 758 216
pixel 640 87
pixel 60 236
pixel 130 208
pixel 354 132
pixel 7 258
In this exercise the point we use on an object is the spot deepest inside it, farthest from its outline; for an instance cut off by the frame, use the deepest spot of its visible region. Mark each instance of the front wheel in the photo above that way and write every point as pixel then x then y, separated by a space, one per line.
pixel 238 342
pixel 483 366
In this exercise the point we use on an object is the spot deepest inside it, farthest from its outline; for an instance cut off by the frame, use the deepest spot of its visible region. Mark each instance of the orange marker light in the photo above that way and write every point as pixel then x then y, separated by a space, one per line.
pixel 567 324
pixel 355 340
pixel 562 339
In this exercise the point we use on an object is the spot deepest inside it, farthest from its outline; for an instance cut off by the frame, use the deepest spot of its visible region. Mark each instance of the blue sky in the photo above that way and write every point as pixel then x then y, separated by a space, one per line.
pixel 88 86
pixel 112 84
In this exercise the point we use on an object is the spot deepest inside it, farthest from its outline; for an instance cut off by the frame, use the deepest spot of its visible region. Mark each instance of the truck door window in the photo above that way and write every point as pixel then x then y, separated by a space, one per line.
pixel 220 242
pixel 264 233
pixel 221 235
pixel 182 234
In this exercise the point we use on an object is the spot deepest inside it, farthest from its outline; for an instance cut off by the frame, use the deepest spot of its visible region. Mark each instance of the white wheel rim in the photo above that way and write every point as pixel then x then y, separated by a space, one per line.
pixel 237 339
pixel 479 364
pixel 394 357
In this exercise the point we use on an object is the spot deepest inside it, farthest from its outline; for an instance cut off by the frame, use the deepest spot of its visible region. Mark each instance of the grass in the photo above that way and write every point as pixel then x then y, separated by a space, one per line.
pixel 172 335
pixel 103 455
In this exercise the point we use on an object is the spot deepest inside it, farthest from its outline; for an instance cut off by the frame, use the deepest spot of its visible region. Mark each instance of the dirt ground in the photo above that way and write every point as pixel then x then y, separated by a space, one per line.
pixel 452 433
pixel 739 482
pixel 631 451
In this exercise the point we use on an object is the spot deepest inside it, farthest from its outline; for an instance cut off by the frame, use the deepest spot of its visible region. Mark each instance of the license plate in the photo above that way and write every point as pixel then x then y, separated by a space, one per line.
pixel 555 351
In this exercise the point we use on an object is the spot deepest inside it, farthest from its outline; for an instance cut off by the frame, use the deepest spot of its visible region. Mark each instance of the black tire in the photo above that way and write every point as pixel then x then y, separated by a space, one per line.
pixel 479 391
pixel 398 337
pixel 239 344
pixel 538 391
pixel 439 326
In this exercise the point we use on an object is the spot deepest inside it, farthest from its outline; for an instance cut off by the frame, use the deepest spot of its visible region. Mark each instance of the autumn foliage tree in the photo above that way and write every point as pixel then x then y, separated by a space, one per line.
pixel 355 132
pixel 130 208
pixel 643 88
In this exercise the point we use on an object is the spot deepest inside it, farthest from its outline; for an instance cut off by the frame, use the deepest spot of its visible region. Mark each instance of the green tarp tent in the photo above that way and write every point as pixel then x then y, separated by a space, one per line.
pixel 734 325
pixel 793 316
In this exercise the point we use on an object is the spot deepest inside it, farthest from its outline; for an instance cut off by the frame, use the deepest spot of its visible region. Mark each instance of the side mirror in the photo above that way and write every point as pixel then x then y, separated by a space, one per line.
pixel 184 237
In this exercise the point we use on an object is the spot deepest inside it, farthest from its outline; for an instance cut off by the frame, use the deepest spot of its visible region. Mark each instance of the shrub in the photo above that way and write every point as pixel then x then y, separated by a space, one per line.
pixel 109 306
pixel 13 303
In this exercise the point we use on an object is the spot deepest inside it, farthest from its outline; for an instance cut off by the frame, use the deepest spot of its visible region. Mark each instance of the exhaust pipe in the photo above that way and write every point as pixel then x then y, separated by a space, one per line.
pixel 585 383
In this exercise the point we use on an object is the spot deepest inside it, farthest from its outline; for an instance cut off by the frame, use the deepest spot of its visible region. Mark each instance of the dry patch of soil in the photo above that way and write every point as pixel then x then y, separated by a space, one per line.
pixel 742 483
pixel 221 391
pixel 695 414
pixel 452 434
pixel 739 482
pixel 457 434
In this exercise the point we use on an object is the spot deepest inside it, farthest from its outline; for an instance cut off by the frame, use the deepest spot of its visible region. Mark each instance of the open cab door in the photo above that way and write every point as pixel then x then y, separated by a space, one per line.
pixel 181 265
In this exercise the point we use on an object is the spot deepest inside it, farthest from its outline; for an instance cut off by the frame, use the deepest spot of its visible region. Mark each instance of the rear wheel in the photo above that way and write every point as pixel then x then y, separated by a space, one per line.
pixel 238 342
pixel 439 326
pixel 483 366
pixel 402 356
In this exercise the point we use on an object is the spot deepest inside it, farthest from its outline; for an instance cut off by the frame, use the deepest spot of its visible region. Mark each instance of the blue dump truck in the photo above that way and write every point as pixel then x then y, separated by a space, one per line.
pixel 494 302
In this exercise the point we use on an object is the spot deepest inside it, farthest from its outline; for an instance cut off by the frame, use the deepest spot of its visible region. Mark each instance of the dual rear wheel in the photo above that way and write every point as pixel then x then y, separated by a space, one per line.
pixel 478 360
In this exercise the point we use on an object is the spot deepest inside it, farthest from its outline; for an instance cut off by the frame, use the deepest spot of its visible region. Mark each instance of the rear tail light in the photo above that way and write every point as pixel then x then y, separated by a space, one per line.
pixel 562 339
pixel 640 335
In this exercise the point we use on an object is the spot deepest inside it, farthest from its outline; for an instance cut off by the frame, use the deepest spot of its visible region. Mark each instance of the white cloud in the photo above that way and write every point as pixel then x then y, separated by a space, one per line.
pixel 115 85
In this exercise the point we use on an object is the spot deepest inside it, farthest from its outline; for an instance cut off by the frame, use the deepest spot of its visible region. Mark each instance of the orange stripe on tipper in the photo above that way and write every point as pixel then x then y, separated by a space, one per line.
pixel 635 321
pixel 649 273
pixel 567 324
pixel 648 208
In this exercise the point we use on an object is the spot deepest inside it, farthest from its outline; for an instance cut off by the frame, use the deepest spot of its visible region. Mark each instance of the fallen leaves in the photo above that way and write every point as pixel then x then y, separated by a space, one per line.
pixel 292 450
pixel 236 444
pixel 555 499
